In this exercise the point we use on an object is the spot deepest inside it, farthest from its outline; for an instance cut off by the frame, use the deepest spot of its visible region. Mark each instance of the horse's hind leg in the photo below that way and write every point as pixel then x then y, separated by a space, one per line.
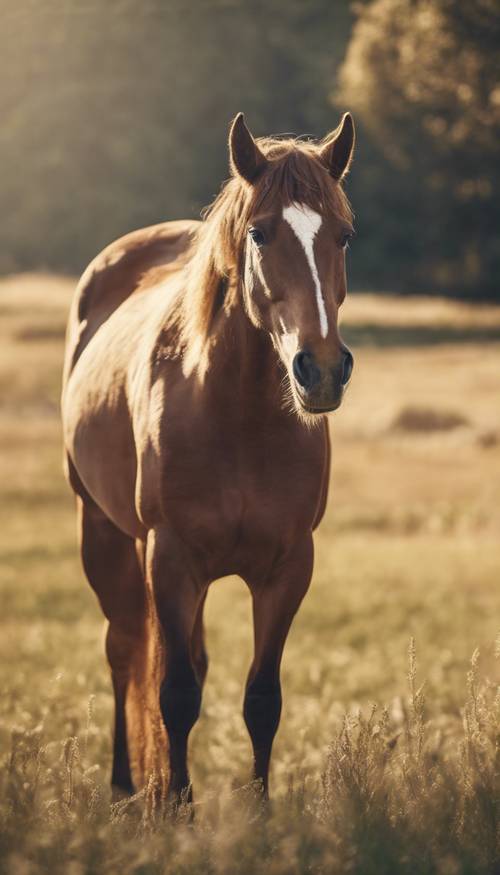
pixel 112 567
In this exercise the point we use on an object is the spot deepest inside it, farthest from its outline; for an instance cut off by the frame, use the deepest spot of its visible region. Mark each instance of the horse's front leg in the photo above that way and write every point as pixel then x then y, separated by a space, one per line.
pixel 178 594
pixel 275 603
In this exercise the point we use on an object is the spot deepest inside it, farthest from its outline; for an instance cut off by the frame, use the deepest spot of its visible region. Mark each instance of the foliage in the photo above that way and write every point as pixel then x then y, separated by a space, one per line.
pixel 424 78
pixel 115 115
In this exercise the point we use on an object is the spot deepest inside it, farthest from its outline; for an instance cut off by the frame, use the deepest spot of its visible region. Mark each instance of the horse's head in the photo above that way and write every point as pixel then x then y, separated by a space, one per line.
pixel 298 226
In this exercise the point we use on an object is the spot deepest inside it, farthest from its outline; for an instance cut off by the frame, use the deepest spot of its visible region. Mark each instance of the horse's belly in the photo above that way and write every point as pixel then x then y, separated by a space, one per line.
pixel 99 441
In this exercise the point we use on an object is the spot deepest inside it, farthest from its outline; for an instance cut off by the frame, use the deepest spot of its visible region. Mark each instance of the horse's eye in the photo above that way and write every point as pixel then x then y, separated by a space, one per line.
pixel 257 236
pixel 346 239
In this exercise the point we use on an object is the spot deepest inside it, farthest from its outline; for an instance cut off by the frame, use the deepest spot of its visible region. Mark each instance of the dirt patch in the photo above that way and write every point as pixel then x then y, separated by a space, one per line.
pixel 426 419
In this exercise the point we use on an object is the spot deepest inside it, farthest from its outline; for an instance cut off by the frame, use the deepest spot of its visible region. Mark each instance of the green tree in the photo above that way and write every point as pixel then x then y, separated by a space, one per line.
pixel 423 77
pixel 115 114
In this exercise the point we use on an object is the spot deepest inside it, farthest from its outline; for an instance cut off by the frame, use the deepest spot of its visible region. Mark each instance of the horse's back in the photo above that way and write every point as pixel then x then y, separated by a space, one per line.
pixel 122 269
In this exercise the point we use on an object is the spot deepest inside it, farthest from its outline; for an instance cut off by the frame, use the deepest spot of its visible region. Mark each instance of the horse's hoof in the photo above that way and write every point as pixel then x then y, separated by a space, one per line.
pixel 120 792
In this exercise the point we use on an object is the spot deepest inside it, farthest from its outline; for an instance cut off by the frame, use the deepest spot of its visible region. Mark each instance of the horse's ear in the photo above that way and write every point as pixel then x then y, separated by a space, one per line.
pixel 245 157
pixel 337 149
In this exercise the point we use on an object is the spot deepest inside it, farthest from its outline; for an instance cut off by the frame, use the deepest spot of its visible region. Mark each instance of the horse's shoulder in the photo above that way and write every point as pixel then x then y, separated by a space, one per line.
pixel 127 265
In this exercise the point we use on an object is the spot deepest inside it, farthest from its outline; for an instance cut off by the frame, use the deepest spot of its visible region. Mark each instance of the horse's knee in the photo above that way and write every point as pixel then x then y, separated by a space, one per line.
pixel 262 712
pixel 180 707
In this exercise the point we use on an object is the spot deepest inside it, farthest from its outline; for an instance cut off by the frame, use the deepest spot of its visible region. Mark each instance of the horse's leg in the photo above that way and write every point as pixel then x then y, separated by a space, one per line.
pixel 111 564
pixel 178 594
pixel 198 649
pixel 275 603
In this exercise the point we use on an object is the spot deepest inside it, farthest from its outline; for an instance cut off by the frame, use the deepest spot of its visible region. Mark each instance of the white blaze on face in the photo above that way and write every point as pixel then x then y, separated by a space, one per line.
pixel 305 224
pixel 289 340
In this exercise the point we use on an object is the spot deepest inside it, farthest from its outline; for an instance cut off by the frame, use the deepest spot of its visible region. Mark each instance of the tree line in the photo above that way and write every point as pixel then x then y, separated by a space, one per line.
pixel 114 115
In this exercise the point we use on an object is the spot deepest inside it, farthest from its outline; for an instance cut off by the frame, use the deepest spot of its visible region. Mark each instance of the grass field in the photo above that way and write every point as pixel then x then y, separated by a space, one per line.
pixel 409 549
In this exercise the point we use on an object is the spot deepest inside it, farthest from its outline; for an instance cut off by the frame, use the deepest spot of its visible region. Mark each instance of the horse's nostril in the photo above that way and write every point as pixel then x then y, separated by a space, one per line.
pixel 347 366
pixel 301 368
pixel 305 370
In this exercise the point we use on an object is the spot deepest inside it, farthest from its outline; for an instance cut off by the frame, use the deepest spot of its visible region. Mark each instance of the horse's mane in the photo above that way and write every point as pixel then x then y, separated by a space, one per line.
pixel 294 174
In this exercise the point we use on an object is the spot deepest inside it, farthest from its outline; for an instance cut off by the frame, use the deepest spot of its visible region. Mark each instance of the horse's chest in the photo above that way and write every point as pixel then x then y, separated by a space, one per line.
pixel 233 501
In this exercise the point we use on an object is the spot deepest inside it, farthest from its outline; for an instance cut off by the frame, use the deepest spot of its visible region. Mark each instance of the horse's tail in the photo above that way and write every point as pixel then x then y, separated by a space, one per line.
pixel 146 734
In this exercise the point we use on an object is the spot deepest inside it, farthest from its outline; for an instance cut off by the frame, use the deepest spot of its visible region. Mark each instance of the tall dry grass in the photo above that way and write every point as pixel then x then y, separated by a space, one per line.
pixel 409 546
pixel 398 793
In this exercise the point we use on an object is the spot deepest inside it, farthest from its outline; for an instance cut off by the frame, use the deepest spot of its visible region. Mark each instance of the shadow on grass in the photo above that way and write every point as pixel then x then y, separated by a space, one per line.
pixel 384 336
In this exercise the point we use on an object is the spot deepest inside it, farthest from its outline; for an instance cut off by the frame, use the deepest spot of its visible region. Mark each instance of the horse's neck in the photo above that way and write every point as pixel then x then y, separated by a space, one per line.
pixel 245 361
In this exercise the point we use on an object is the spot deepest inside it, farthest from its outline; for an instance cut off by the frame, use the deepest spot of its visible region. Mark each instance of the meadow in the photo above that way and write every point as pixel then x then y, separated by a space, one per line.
pixel 387 759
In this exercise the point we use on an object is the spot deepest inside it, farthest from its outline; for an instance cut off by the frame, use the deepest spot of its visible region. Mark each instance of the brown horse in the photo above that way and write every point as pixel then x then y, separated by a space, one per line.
pixel 201 361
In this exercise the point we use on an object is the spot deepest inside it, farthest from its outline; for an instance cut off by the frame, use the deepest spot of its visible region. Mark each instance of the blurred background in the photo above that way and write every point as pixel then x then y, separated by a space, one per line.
pixel 114 115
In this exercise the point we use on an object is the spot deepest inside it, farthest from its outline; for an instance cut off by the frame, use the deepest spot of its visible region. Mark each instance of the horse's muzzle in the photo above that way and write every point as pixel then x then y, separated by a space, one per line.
pixel 320 388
